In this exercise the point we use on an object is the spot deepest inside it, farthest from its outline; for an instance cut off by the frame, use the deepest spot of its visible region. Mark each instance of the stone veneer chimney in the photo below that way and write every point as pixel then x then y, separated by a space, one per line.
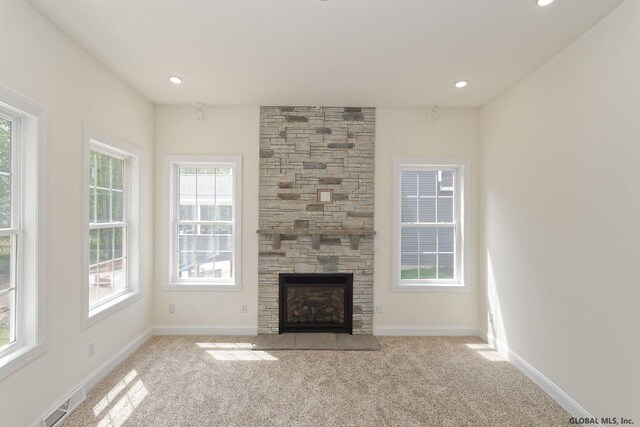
pixel 302 150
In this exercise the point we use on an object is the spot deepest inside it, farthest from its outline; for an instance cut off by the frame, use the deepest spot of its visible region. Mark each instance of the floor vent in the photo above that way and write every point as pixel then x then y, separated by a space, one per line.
pixel 67 406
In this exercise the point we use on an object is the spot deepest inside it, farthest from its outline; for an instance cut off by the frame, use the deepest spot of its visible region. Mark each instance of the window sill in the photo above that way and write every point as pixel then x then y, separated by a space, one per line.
pixel 430 287
pixel 103 311
pixel 20 357
pixel 202 287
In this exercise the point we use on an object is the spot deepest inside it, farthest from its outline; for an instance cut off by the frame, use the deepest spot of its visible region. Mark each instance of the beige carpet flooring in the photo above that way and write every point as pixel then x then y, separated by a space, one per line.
pixel 412 381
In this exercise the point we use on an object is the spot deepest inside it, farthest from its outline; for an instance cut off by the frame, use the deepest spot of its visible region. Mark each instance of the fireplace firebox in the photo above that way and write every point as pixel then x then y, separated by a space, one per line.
pixel 313 302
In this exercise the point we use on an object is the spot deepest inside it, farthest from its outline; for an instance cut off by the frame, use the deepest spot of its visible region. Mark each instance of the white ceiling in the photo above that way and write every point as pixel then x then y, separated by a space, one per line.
pixel 335 52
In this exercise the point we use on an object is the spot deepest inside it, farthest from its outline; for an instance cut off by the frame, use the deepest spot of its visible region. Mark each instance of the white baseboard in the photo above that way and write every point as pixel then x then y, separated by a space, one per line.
pixel 426 331
pixel 102 371
pixel 105 369
pixel 555 392
pixel 204 330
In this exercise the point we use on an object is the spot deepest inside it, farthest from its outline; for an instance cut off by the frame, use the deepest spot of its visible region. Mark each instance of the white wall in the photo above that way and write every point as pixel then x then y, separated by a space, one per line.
pixel 40 62
pixel 225 131
pixel 235 131
pixel 412 133
pixel 560 177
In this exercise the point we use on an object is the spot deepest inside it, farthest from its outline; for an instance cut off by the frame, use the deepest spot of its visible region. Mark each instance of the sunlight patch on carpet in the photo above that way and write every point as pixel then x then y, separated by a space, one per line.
pixel 237 351
pixel 133 392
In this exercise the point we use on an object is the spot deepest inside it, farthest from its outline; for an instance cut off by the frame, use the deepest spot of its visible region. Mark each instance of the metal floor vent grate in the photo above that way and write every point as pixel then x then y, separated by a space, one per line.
pixel 67 406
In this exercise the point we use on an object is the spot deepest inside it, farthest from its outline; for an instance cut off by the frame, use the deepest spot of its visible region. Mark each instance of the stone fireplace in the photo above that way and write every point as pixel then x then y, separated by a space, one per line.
pixel 305 151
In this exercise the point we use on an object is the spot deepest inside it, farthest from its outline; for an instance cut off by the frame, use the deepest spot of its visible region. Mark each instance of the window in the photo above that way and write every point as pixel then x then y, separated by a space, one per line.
pixel 429 228
pixel 111 268
pixel 22 237
pixel 107 227
pixel 204 217
pixel 10 227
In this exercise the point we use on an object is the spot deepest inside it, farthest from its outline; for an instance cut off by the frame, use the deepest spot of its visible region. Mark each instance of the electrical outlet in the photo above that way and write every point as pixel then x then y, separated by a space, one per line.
pixel 172 308
pixel 92 348
pixel 243 308
pixel 378 308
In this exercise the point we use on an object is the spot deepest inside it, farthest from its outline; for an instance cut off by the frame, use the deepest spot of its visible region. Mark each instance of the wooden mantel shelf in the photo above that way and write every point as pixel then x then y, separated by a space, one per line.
pixel 354 233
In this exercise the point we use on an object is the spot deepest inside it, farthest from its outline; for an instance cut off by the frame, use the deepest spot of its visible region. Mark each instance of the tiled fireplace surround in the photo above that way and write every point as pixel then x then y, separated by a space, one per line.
pixel 302 150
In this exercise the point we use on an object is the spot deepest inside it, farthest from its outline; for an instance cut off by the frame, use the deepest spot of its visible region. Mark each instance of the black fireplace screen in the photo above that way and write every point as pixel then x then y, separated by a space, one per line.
pixel 316 303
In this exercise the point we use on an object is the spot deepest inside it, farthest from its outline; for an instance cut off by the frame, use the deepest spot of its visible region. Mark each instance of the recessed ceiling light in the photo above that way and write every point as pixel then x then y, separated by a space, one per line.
pixel 461 84
pixel 175 80
pixel 544 2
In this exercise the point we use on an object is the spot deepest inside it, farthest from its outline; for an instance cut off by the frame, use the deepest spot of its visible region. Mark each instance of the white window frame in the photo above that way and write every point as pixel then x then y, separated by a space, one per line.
pixel 171 206
pixel 29 195
pixel 97 141
pixel 459 283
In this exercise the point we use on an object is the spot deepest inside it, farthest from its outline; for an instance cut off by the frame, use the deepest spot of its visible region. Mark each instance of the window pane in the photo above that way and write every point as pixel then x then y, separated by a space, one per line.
pixel 108 266
pixel 94 278
pixel 187 267
pixel 117 166
pixel 446 184
pixel 106 277
pixel 118 242
pixel 93 247
pixel 187 212
pixel 222 265
pixel 103 170
pixel 446 239
pixel 206 229
pixel 428 266
pixel 409 239
pixel 187 181
pixel 105 244
pixel 224 185
pixel 5 201
pixel 223 240
pixel 409 210
pixel 427 183
pixel 427 209
pixel 409 265
pixel 207 213
pixel 428 242
pixel 409 184
pixel 117 212
pixel 103 203
pixel 206 185
pixel 224 213
pixel 93 168
pixel 5 146
pixel 104 288
pixel 7 317
pixel 445 266
pixel 92 205
pixel 6 262
pixel 119 275
pixel 445 209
